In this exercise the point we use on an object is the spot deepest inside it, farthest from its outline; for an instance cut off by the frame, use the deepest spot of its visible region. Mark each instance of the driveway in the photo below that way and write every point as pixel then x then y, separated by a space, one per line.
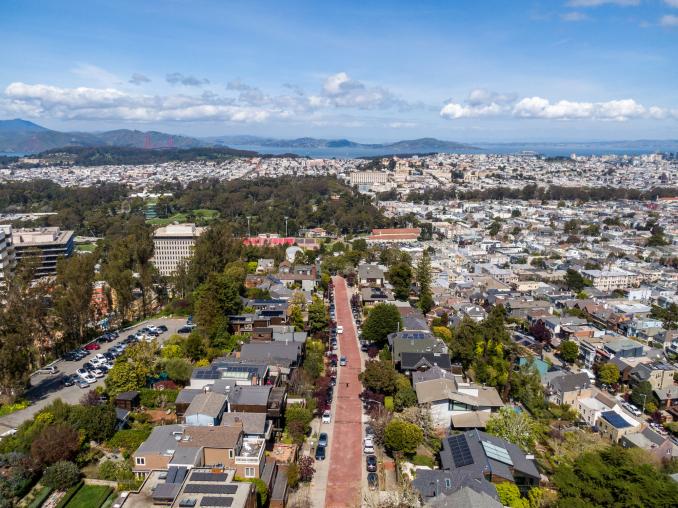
pixel 345 458
pixel 46 388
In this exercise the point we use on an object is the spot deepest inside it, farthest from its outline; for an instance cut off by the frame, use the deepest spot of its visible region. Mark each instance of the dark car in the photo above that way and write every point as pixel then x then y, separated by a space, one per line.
pixel 71 356
pixel 373 481
pixel 88 367
pixel 322 439
pixel 371 463
pixel 333 380
pixel 185 329
pixel 68 381
pixel 161 328
pixel 320 453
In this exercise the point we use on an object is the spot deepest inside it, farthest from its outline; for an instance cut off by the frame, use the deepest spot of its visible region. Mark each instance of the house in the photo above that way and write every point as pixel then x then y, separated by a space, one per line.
pixel 215 487
pixel 370 275
pixel 488 457
pixel 254 425
pixel 239 371
pixel 668 397
pixel 206 409
pixel 265 265
pixel 624 348
pixel 371 296
pixel 567 388
pixel 281 357
pixel 128 400
pixel 616 424
pixel 660 447
pixel 437 488
pixel 190 446
pixel 411 354
pixel 184 399
pixel 456 403
pixel 260 399
pixel 590 408
pixel 658 374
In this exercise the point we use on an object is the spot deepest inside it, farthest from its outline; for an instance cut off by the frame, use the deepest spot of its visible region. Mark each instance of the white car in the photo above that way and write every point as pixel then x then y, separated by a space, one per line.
pixel 327 416
pixel 87 377
pixel 368 449
pixel 100 357
pixel 97 373
pixel 340 329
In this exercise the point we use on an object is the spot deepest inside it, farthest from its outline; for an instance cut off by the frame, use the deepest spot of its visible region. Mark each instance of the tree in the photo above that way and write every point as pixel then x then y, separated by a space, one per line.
pixel 400 277
pixel 313 361
pixel 405 397
pixel 125 377
pixel 194 346
pixel 96 423
pixel 424 281
pixel 55 443
pixel 383 319
pixel 575 281
pixel 380 377
pixel 61 475
pixel 317 315
pixel 72 296
pixel 306 469
pixel 569 351
pixel 296 317
pixel 401 436
pixel 517 428
pixel 642 394
pixel 495 227
pixel 608 374
pixel 509 495
pixel 178 370
pixel 117 471
pixel 217 298
pixel 613 476
pixel 297 421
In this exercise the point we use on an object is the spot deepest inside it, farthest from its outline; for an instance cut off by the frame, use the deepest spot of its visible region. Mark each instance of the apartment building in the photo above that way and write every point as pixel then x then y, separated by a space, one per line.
pixel 368 177
pixel 44 245
pixel 7 260
pixel 173 244
pixel 609 280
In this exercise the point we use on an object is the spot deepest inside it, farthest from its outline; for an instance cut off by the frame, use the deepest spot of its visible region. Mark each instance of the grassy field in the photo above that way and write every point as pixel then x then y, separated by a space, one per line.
pixel 201 215
pixel 86 247
pixel 90 496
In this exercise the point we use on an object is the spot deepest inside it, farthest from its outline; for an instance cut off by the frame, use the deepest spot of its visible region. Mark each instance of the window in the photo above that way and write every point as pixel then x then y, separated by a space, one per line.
pixel 141 461
pixel 448 483
pixel 249 472
pixel 230 454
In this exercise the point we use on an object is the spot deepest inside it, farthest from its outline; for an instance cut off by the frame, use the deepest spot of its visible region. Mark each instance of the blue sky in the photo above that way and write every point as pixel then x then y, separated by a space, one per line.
pixel 371 71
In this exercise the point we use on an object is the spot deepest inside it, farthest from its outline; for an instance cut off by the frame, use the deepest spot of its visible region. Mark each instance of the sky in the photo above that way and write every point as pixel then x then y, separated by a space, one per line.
pixel 371 71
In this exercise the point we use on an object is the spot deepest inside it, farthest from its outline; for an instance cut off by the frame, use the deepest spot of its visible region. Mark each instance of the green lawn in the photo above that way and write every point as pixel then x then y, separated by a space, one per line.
pixel 90 496
pixel 86 247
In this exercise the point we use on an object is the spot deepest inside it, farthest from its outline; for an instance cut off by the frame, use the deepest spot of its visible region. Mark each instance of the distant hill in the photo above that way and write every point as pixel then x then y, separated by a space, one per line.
pixel 22 136
pixel 413 145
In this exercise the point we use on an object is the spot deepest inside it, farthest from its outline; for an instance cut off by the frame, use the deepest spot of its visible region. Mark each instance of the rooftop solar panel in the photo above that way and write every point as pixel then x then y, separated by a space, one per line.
pixel 615 420
pixel 216 501
pixel 208 477
pixel 461 453
pixel 210 488
pixel 497 453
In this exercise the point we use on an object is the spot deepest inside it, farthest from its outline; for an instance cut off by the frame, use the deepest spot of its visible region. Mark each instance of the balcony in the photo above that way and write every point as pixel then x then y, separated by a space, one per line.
pixel 251 452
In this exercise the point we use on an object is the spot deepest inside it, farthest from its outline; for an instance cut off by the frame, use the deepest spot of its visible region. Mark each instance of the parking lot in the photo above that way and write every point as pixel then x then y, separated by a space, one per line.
pixel 46 388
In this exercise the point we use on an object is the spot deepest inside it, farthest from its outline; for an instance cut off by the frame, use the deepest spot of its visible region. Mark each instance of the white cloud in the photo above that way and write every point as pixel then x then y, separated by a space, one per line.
pixel 94 74
pixel 492 105
pixel 597 3
pixel 671 3
pixel 112 104
pixel 669 20
pixel 574 16
pixel 340 91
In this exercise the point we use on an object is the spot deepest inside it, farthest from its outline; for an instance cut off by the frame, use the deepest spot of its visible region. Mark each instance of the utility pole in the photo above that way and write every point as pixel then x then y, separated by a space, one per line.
pixel 286 217
pixel 248 226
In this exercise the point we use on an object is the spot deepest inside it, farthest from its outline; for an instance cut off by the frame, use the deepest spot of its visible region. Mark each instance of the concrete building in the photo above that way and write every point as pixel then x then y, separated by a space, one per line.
pixel 7 260
pixel 173 244
pixel 609 280
pixel 48 245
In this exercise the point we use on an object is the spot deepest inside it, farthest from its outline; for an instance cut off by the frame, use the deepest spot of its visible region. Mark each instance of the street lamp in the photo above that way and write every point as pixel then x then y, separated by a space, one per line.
pixel 248 226
pixel 286 226
pixel 644 396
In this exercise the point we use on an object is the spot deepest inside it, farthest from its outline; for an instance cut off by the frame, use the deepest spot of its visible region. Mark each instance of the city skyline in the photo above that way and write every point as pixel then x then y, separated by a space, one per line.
pixel 534 71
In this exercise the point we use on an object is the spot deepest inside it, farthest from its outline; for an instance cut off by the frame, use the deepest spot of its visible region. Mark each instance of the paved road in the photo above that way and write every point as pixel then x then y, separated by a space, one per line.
pixel 46 388
pixel 346 460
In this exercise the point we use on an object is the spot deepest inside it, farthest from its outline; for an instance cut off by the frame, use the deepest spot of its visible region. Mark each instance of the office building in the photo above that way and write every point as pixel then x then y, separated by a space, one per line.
pixel 48 245
pixel 173 244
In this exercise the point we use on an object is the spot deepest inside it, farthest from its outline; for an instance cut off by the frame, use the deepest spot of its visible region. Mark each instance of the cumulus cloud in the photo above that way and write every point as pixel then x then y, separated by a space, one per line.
pixel 111 104
pixel 139 79
pixel 597 3
pixel 340 91
pixel 482 103
pixel 177 78
pixel 669 21
pixel 671 3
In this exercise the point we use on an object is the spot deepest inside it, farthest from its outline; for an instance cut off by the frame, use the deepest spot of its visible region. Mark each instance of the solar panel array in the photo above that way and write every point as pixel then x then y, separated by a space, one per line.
pixel 461 453
pixel 176 474
pixel 210 488
pixel 208 477
pixel 615 419
pixel 497 453
pixel 216 501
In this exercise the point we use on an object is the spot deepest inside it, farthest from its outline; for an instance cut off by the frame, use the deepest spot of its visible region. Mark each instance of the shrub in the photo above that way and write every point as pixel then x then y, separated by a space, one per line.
pixel 61 475
pixel 401 436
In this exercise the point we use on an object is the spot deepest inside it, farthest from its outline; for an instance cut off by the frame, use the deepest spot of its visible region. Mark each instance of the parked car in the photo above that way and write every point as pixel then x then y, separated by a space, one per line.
pixel 50 369
pixel 320 453
pixel 343 361
pixel 371 462
pixel 322 439
pixel 373 481
pixel 68 380
pixel 333 380
pixel 97 373
pixel 340 329
pixel 82 383
pixel 161 328
pixel 92 346
pixel 327 416
pixel 185 329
